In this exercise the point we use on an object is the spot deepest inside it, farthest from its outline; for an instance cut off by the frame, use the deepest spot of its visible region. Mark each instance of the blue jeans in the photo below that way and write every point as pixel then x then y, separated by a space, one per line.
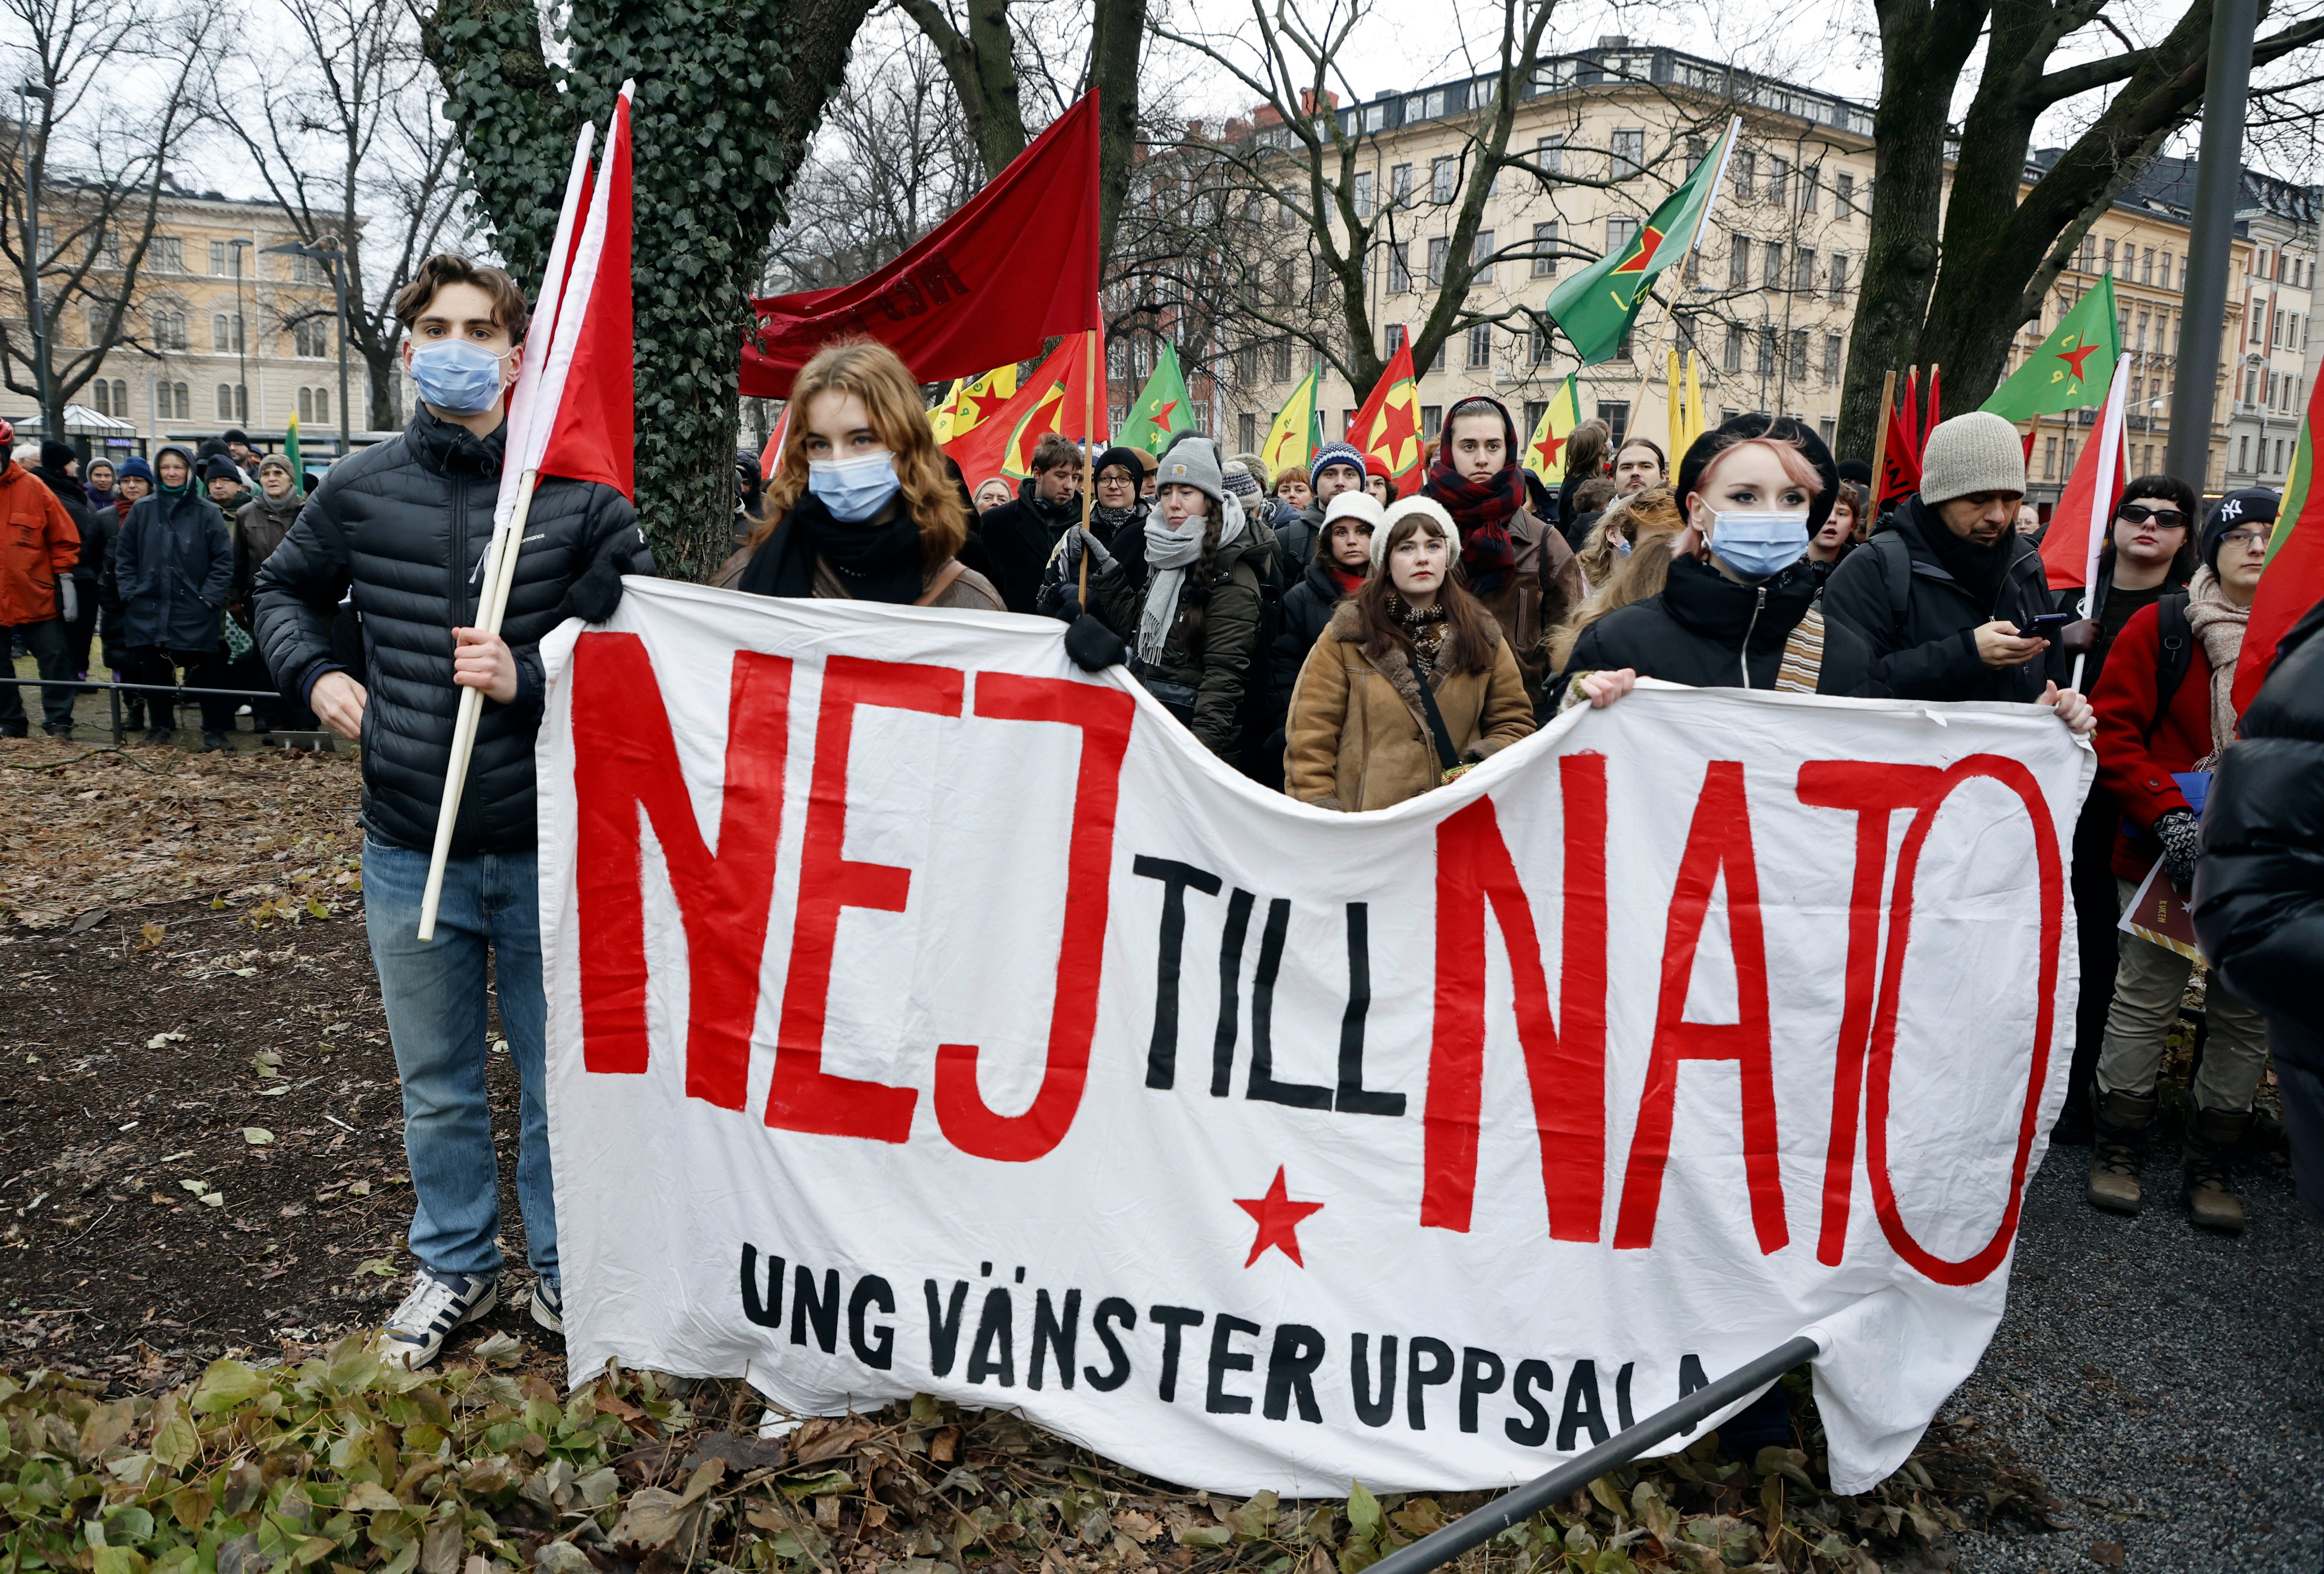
pixel 433 994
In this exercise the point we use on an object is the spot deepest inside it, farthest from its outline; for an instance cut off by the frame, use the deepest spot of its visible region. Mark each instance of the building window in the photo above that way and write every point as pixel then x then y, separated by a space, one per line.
pixel 1283 359
pixel 1804 269
pixel 1766 350
pixel 217 256
pixel 1443 180
pixel 102 397
pixel 2049 459
pixel 1779 173
pixel 1246 366
pixel 1481 347
pixel 1549 153
pixel 1436 361
pixel 1432 421
pixel 2243 453
pixel 1839 275
pixel 1772 276
pixel 1482 257
pixel 1797 359
pixel 1537 353
pixel 306 404
pixel 169 254
pixel 225 402
pixel 1399 185
pixel 1847 196
pixel 1544 251
pixel 1247 434
pixel 1832 347
pixel 2146 267
pixel 1629 153
pixel 1363 195
pixel 1399 267
pixel 1828 429
pixel 1738 261
pixel 1616 414
pixel 1438 250
pixel 1809 178
pixel 322 404
pixel 1619 232
pixel 1740 168
pixel 2109 257
pixel 1733 360
pixel 1696 150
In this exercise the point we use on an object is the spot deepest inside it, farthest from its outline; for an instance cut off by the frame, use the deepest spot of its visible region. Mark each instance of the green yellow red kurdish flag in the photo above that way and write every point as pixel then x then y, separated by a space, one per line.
pixel 1291 440
pixel 2074 366
pixel 291 453
pixel 1388 426
pixel 1545 451
pixel 2293 580
pixel 965 402
pixel 1163 410
pixel 1596 307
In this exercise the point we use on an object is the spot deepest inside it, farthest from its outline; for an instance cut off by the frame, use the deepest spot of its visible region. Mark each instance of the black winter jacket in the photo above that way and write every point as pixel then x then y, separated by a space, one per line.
pixel 1707 630
pixel 1927 648
pixel 174 568
pixel 1308 609
pixel 97 528
pixel 2259 888
pixel 1018 539
pixel 406 524
pixel 1294 535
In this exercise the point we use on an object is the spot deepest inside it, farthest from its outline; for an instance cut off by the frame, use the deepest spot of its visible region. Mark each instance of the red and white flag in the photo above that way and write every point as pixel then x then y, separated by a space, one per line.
pixel 2077 525
pixel 573 413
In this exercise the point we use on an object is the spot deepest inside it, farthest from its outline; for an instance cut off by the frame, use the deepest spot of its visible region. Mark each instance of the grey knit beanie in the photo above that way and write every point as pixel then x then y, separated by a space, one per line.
pixel 1972 453
pixel 1193 462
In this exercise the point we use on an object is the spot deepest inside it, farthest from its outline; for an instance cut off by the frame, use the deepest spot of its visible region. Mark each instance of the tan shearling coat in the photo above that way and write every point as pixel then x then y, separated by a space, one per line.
pixel 1357 737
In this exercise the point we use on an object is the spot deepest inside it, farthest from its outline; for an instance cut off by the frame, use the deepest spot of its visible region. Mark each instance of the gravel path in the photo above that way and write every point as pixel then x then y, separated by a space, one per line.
pixel 2167 1384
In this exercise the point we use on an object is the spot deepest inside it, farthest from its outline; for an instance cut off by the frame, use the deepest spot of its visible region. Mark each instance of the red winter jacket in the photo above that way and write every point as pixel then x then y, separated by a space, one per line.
pixel 2132 766
pixel 39 545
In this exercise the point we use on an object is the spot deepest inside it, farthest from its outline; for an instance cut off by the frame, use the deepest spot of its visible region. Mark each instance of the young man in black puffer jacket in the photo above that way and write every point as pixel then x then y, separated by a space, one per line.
pixel 2259 886
pixel 405 525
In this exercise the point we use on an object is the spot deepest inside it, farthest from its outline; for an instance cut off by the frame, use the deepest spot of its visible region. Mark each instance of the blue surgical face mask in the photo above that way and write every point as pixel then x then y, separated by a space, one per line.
pixel 1621 547
pixel 855 489
pixel 454 375
pixel 1758 546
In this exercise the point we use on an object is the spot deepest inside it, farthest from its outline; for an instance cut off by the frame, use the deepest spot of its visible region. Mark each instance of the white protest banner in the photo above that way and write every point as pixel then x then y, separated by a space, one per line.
pixel 929 1016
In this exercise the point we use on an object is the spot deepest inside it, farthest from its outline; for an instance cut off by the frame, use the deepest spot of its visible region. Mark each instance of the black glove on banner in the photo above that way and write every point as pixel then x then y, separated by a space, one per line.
pixel 597 593
pixel 2180 834
pixel 1093 646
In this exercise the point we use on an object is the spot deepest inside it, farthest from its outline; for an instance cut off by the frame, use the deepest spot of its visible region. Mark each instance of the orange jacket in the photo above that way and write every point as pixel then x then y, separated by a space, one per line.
pixel 39 545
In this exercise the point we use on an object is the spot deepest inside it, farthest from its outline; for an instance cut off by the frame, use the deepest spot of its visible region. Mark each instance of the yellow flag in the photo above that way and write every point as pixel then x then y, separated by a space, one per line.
pixel 1291 440
pixel 940 418
pixel 1545 452
pixel 1694 422
pixel 1675 403
pixel 980 395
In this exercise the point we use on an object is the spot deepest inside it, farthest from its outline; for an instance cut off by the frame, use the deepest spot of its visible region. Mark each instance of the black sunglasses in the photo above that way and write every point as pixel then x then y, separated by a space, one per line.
pixel 2170 518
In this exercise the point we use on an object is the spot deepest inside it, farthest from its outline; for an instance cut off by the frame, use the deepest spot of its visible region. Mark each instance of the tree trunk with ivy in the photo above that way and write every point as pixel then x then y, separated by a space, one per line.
pixel 727 95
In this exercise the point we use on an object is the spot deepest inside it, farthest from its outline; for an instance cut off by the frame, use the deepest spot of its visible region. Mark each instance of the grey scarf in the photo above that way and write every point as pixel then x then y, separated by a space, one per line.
pixel 1168 554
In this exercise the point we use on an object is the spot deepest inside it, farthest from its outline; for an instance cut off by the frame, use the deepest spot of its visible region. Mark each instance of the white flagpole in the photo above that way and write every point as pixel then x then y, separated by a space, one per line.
pixel 532 414
pixel 2109 461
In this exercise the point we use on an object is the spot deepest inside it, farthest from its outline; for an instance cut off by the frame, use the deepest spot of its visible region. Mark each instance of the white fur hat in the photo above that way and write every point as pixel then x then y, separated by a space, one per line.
pixel 1427 508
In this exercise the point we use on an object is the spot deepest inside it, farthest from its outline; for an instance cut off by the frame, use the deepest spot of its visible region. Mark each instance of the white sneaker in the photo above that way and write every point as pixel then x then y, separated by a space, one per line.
pixel 549 1304
pixel 438 1303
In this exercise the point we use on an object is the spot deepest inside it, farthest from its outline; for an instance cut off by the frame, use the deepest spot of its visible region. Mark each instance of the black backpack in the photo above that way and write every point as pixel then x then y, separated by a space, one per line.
pixel 2175 653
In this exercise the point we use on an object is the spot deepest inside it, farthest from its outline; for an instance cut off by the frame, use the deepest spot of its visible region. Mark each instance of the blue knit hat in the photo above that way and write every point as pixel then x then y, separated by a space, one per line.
pixel 1329 454
pixel 135 465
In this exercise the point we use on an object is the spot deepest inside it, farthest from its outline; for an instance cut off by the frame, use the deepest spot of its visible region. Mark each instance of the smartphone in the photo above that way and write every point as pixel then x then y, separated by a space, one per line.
pixel 2046 626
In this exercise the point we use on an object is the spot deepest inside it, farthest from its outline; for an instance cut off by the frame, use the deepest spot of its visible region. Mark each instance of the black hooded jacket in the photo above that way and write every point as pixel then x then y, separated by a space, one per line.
pixel 406 524
pixel 2259 888
pixel 97 526
pixel 1920 622
pixel 1710 631
pixel 1018 539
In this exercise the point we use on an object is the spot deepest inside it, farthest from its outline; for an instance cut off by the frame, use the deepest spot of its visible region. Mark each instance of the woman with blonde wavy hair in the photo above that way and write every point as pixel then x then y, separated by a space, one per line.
pixel 1618 530
pixel 859 506
pixel 1636 577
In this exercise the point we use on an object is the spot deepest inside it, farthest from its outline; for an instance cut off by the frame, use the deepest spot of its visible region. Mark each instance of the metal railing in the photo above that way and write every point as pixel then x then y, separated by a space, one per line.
pixel 1523 1503
pixel 176 694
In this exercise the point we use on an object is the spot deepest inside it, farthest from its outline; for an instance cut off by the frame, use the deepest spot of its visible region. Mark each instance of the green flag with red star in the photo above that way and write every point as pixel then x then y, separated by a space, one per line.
pixel 1596 307
pixel 2074 366
pixel 1163 410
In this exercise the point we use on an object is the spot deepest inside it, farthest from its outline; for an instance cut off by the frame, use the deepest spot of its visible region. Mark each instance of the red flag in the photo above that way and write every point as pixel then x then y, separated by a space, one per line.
pixel 1055 399
pixel 1388 427
pixel 772 454
pixel 1900 457
pixel 2293 580
pixel 594 434
pixel 1930 424
pixel 1014 267
pixel 2077 525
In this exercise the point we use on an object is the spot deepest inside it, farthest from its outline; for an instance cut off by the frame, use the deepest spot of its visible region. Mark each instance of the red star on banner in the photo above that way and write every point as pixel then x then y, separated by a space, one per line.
pixel 1161 416
pixel 1279 1219
pixel 1649 241
pixel 967 411
pixel 1549 449
pixel 2075 358
pixel 1396 430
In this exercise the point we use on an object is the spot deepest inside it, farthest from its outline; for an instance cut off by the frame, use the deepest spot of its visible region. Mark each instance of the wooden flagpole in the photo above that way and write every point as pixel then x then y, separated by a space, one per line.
pixel 1089 461
pixel 1880 442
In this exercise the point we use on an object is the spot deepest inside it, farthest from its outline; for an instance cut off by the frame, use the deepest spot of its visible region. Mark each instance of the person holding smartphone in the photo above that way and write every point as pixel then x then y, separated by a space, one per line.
pixel 1947 598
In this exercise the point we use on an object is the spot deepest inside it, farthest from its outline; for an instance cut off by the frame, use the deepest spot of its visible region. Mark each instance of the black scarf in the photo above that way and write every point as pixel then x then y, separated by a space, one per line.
pixel 875 561
pixel 1978 570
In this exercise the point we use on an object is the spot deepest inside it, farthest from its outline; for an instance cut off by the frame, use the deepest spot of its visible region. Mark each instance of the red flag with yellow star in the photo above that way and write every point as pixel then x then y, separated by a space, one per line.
pixel 1058 397
pixel 1389 425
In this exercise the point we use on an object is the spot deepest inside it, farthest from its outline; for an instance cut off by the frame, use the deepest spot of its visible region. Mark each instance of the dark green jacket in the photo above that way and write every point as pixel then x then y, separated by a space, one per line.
pixel 1212 645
